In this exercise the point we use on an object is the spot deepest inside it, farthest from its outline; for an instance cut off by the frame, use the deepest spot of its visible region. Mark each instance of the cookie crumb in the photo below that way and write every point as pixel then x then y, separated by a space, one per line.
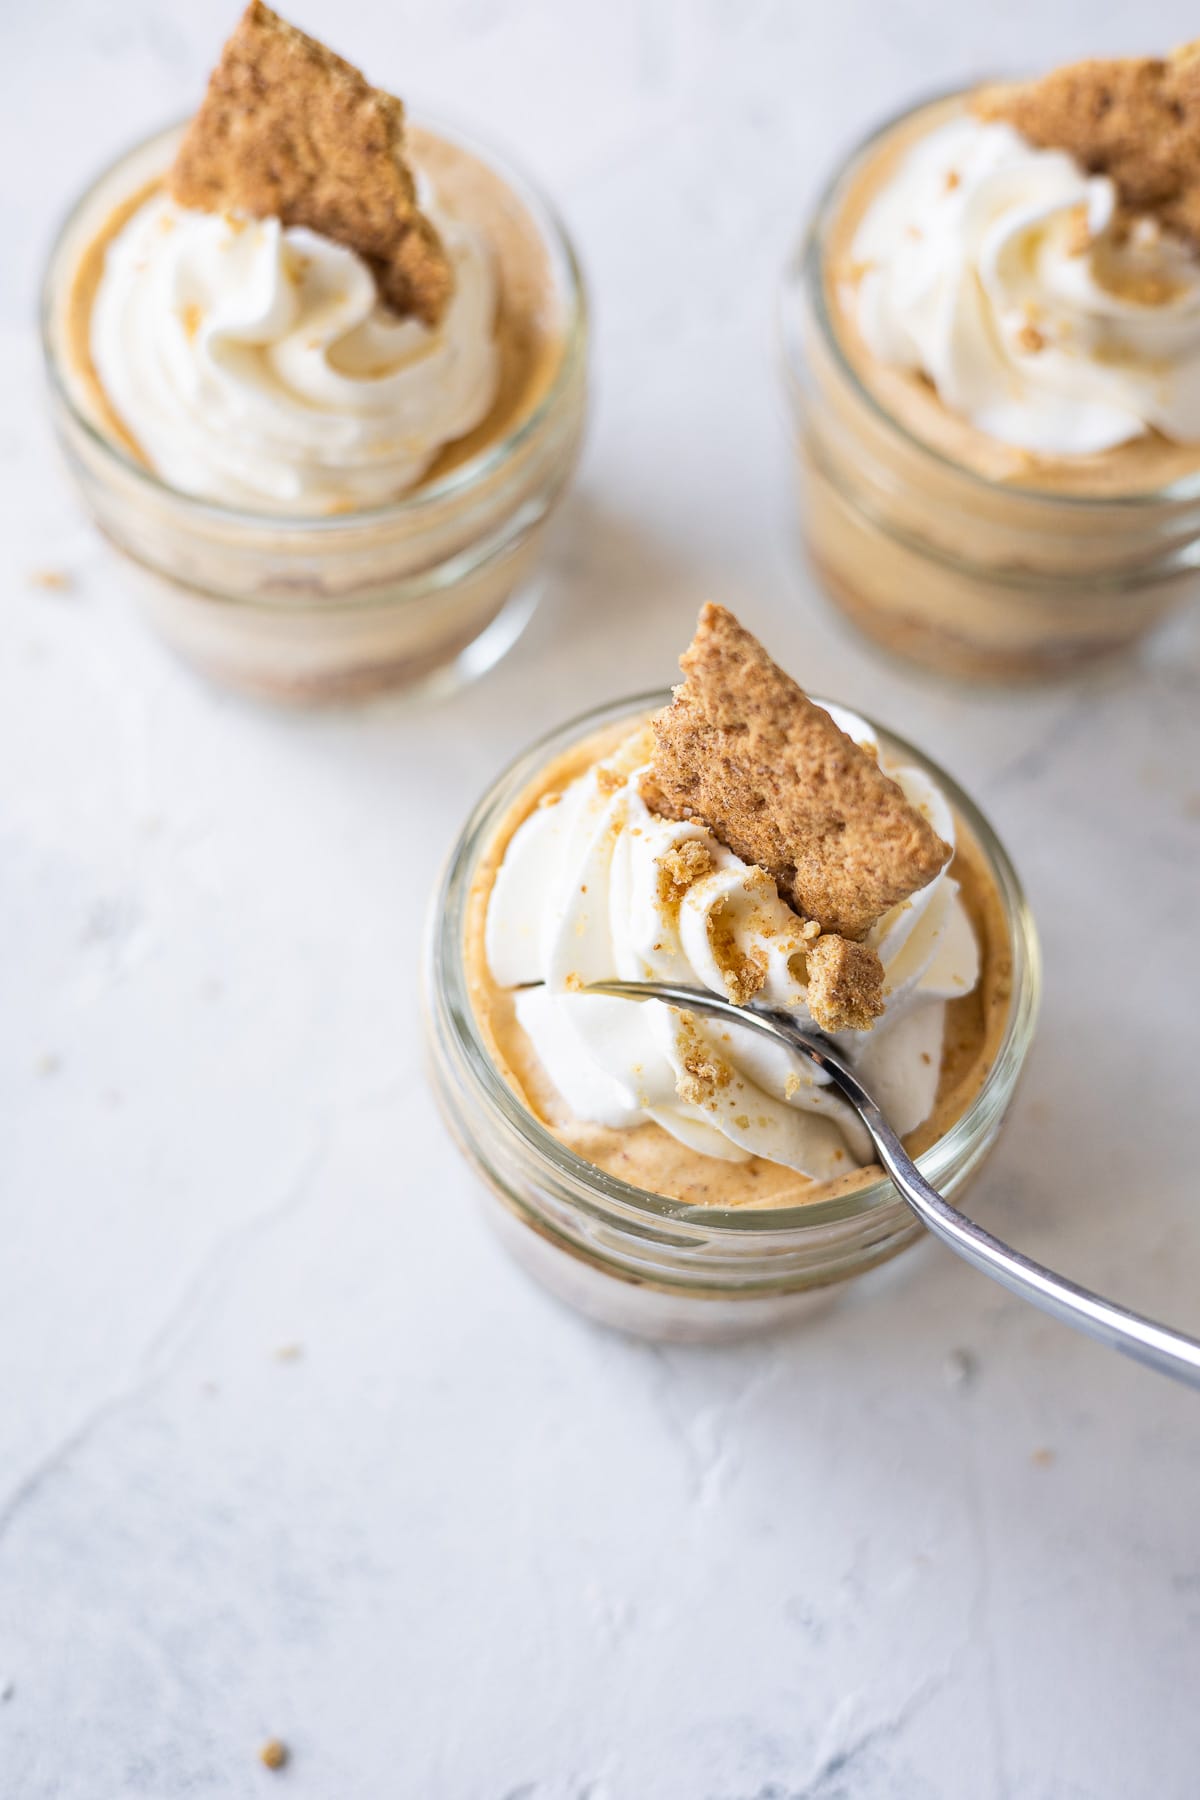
pixel 55 581
pixel 845 984
pixel 743 972
pixel 704 1074
pixel 274 1754
pixel 1079 232
pixel 1043 1458
pixel 679 867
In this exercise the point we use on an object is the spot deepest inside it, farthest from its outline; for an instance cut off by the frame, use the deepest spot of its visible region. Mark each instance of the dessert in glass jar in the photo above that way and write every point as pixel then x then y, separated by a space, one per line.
pixel 662 1172
pixel 320 374
pixel 992 352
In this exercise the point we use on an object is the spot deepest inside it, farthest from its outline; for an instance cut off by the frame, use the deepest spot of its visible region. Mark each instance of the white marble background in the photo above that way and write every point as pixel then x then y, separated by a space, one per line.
pixel 459 1545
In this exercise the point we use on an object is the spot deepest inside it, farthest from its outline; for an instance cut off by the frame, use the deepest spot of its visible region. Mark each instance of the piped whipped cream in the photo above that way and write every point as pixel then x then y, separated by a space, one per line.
pixel 254 365
pixel 1002 273
pixel 595 886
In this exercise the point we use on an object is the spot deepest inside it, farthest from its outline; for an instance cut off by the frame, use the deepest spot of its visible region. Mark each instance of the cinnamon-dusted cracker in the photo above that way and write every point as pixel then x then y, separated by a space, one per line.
pixel 845 984
pixel 1136 119
pixel 743 749
pixel 288 130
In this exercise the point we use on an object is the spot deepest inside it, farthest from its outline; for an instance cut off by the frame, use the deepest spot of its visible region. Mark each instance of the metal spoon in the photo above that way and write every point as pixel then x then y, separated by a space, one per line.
pixel 1171 1352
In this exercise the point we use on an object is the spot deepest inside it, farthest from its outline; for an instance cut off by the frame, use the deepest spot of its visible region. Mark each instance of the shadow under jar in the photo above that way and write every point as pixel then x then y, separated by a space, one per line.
pixel 429 588
pixel 1004 576
pixel 631 1258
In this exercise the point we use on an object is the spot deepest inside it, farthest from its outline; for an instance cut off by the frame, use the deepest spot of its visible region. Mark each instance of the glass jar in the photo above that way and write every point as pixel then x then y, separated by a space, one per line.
pixel 432 587
pixel 973 576
pixel 630 1258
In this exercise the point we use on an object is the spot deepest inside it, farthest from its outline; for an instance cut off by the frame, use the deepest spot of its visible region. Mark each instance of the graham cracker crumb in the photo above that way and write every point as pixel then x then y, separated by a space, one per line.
pixel 1135 119
pixel 1031 339
pixel 274 1754
pixel 745 751
pixel 704 1074
pixel 288 130
pixel 574 982
pixel 609 780
pixel 1079 232
pixel 680 867
pixel 52 580
pixel 845 984
pixel 743 973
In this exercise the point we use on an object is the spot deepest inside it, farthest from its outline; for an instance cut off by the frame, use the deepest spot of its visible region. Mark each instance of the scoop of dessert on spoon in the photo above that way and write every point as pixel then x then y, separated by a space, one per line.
pixel 1171 1352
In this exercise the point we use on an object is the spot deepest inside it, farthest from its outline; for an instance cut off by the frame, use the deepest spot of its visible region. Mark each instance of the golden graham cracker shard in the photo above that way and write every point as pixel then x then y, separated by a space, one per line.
pixel 845 984
pixel 287 130
pixel 745 751
pixel 1136 119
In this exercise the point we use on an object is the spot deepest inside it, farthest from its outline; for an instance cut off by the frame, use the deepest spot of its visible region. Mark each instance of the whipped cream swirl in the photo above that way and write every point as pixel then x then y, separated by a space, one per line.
pixel 595 886
pixel 253 364
pixel 1002 273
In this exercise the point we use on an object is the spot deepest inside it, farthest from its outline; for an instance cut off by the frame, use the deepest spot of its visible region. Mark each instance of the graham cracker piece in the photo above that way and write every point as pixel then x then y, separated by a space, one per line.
pixel 288 130
pixel 845 984
pixel 743 749
pixel 1135 119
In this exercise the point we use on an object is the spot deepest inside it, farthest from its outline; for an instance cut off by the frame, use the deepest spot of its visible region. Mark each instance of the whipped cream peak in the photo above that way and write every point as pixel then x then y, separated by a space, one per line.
pixel 1008 277
pixel 595 886
pixel 254 364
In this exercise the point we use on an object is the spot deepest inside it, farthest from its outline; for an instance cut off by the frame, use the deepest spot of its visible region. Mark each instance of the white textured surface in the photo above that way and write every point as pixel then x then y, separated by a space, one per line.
pixel 465 1547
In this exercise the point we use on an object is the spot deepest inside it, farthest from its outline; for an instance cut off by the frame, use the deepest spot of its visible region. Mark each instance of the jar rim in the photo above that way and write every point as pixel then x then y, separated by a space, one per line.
pixel 804 278
pixel 607 1196
pixel 459 482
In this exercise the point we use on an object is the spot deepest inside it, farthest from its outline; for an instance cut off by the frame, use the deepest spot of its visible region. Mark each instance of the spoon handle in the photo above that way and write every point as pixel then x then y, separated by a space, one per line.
pixel 1170 1352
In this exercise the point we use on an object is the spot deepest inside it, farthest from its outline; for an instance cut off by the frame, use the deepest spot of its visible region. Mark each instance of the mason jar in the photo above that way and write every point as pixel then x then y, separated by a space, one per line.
pixel 972 574
pixel 431 587
pixel 634 1259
